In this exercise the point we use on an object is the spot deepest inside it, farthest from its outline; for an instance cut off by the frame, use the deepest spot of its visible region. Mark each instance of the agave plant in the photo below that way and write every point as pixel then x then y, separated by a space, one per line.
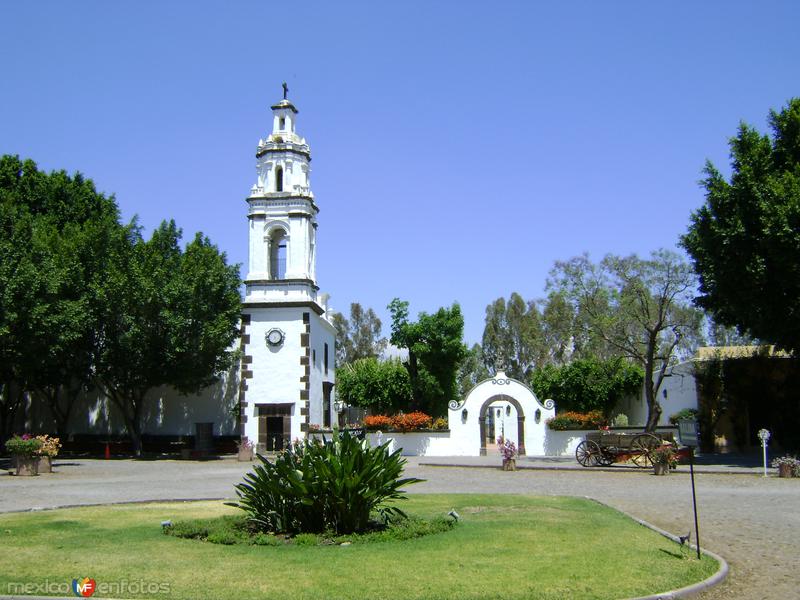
pixel 329 485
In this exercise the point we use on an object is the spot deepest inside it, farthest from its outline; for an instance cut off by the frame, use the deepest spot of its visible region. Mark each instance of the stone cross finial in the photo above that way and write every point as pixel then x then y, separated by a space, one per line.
pixel 285 90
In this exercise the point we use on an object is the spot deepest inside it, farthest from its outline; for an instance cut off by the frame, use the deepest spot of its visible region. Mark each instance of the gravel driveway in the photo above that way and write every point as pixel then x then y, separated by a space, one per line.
pixel 753 522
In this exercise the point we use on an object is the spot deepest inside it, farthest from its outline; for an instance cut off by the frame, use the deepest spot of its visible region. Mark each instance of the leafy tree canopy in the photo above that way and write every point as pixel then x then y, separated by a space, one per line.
pixel 745 241
pixel 85 300
pixel 170 319
pixel 640 307
pixel 381 386
pixel 472 370
pixel 435 353
pixel 359 336
pixel 55 231
pixel 513 337
pixel 588 384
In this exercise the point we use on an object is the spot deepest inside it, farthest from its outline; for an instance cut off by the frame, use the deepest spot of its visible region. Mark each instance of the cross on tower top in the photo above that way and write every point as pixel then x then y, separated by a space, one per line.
pixel 285 90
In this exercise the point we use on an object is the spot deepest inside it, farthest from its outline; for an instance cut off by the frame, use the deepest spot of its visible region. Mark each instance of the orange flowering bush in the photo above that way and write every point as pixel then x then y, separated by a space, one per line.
pixel 577 420
pixel 378 422
pixel 412 421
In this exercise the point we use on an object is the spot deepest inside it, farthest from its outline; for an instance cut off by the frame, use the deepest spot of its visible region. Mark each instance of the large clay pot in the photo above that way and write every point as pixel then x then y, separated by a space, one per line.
pixel 661 468
pixel 245 455
pixel 785 471
pixel 45 464
pixel 27 465
pixel 509 464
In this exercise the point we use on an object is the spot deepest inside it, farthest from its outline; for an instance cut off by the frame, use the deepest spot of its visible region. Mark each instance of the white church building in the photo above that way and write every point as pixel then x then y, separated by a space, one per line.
pixel 287 339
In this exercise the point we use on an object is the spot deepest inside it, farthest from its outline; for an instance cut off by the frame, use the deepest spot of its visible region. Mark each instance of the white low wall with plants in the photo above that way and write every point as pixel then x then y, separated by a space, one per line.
pixel 415 443
pixel 562 443
pixel 442 443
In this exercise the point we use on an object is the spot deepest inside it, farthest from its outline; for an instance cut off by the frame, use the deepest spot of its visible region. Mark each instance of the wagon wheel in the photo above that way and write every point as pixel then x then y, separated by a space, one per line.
pixel 588 453
pixel 642 447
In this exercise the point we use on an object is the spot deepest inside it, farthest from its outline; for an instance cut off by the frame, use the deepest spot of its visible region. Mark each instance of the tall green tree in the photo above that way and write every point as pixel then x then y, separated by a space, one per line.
pixel 435 353
pixel 359 336
pixel 54 236
pixel 472 370
pixel 170 319
pixel 745 240
pixel 640 307
pixel 513 337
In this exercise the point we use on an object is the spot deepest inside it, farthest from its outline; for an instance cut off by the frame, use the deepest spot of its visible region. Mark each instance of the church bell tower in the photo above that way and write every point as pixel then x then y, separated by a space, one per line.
pixel 287 337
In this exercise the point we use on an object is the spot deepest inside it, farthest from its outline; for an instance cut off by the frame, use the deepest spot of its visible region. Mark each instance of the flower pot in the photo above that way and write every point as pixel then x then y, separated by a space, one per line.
pixel 509 464
pixel 785 471
pixel 27 465
pixel 45 464
pixel 661 468
pixel 245 455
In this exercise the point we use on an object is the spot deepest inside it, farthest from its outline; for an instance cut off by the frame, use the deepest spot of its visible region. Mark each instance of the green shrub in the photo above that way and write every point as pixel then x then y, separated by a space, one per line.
pixel 265 539
pixel 23 446
pixel 230 530
pixel 440 424
pixel 687 413
pixel 329 485
pixel 224 530
pixel 589 384
pixel 377 385
pixel 306 539
pixel 621 420
pixel 413 527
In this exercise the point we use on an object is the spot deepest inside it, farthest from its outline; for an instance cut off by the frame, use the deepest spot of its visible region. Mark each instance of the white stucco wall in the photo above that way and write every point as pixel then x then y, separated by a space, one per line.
pixel 678 391
pixel 165 412
pixel 322 333
pixel 423 443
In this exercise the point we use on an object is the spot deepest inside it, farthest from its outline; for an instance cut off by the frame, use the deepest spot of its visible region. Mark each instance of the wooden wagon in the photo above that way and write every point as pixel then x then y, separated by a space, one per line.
pixel 602 448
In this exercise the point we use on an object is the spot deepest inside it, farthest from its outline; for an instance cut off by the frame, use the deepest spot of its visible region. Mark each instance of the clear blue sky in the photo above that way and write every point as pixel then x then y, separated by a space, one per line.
pixel 459 148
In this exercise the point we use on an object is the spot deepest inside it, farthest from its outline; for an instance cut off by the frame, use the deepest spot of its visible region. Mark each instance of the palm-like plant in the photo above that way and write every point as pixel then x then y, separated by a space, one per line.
pixel 329 485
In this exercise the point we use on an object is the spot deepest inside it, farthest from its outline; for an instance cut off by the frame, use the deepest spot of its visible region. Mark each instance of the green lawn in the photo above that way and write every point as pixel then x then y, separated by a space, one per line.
pixel 505 547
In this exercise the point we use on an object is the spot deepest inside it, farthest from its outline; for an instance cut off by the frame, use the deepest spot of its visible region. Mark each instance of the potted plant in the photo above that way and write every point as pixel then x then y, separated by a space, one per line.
pixel 509 452
pixel 664 458
pixel 245 453
pixel 47 452
pixel 24 450
pixel 788 466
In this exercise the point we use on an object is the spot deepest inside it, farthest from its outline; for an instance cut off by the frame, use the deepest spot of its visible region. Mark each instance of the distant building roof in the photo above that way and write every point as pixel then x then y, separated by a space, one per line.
pixel 712 352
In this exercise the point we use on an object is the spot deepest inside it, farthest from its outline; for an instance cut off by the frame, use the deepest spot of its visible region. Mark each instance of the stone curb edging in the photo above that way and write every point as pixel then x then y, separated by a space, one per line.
pixel 689 590
pixel 684 592
pixel 95 505
pixel 624 469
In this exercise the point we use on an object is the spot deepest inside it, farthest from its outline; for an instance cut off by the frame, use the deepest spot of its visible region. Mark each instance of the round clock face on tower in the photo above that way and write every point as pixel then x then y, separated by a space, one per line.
pixel 275 337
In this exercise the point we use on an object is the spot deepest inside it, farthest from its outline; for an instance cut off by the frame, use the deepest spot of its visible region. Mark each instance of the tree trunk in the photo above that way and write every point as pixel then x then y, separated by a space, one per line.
pixel 651 393
pixel 10 400
pixel 413 372
pixel 130 405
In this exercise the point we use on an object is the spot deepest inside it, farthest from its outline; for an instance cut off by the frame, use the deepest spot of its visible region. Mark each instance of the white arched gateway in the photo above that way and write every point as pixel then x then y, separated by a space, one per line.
pixel 499 407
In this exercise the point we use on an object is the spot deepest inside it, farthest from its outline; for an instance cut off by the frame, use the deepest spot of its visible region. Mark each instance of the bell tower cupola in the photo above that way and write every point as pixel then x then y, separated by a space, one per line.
pixel 282 215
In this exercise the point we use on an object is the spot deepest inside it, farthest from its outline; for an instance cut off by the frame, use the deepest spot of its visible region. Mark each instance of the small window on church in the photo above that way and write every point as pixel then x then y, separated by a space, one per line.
pixel 279 179
pixel 283 123
pixel 325 358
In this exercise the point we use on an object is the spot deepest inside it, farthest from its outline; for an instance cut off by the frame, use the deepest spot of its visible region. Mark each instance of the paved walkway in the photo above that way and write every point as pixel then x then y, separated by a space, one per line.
pixel 754 522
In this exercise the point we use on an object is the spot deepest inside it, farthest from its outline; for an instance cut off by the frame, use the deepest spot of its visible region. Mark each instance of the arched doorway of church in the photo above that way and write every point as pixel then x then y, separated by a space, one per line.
pixel 496 417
